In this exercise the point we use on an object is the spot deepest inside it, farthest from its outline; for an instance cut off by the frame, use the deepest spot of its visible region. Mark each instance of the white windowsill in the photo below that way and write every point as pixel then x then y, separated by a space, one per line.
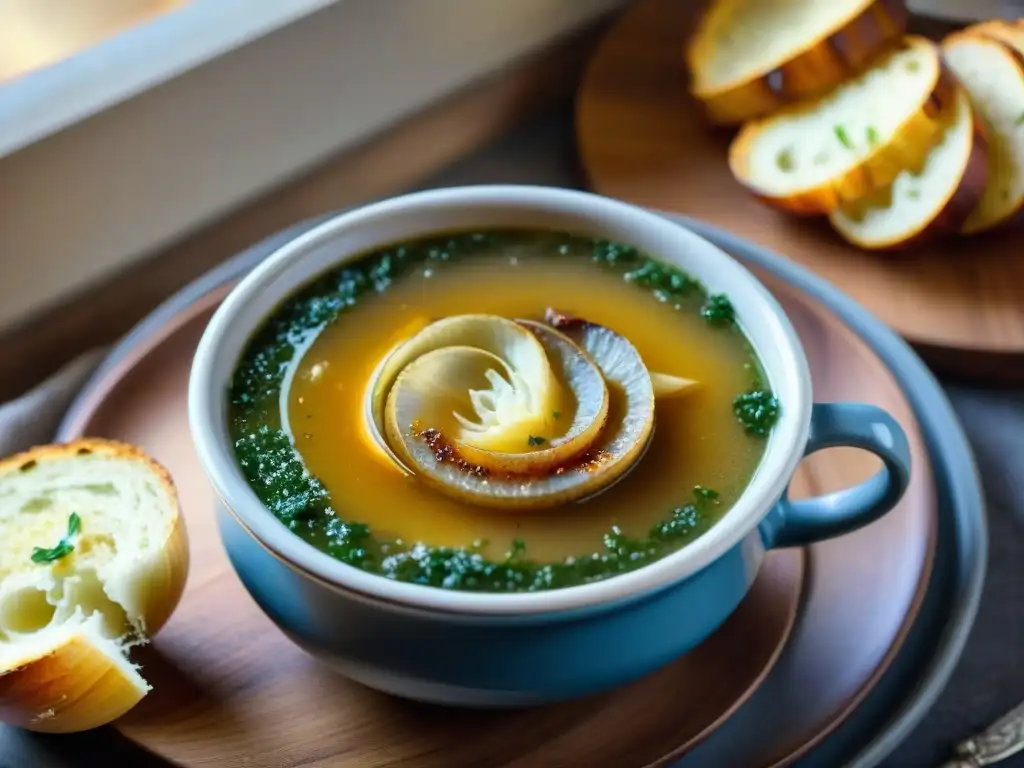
pixel 43 101
pixel 125 148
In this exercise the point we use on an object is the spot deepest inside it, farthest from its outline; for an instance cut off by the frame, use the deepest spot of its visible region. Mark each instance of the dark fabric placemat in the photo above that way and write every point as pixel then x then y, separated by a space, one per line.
pixel 989 680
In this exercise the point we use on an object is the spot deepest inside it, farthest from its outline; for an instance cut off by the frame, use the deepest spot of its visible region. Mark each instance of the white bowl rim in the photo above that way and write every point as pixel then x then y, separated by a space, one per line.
pixel 790 380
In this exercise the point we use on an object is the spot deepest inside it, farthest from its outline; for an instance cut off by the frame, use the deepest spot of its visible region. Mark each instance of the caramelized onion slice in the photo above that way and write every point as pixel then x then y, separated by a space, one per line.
pixel 665 384
pixel 433 389
pixel 627 376
pixel 524 367
pixel 572 425
pixel 442 461
pixel 506 339
pixel 482 405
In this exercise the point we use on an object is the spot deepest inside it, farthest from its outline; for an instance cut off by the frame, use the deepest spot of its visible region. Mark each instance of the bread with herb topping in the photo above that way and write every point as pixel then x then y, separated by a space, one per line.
pixel 992 71
pixel 933 199
pixel 816 155
pixel 1005 31
pixel 749 57
pixel 93 560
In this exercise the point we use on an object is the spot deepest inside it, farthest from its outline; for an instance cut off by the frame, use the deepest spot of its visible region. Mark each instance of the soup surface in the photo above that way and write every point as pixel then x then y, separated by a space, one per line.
pixel 299 399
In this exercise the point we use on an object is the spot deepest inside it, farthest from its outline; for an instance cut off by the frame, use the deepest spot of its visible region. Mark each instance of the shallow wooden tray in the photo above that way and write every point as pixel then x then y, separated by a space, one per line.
pixel 232 691
pixel 641 138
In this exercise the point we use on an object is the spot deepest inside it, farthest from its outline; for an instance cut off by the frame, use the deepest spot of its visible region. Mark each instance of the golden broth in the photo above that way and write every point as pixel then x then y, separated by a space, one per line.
pixel 697 439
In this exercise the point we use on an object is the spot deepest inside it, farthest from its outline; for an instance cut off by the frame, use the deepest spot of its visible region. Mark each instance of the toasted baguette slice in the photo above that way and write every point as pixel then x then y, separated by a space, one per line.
pixel 993 73
pixel 813 156
pixel 1009 32
pixel 749 57
pixel 934 199
pixel 93 560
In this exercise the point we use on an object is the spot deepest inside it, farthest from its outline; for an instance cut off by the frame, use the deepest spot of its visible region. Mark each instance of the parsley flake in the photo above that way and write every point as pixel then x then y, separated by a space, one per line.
pixel 64 547
pixel 718 310
pixel 705 494
pixel 843 137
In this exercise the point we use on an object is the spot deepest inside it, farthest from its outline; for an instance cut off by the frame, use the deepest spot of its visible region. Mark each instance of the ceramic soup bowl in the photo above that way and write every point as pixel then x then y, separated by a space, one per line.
pixel 513 649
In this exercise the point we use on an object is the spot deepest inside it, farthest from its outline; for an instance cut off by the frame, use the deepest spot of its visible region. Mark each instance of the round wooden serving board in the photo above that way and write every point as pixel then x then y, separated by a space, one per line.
pixel 230 690
pixel 642 138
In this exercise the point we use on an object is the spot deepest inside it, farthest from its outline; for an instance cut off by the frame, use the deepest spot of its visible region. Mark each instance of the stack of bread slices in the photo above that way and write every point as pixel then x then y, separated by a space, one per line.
pixel 841 113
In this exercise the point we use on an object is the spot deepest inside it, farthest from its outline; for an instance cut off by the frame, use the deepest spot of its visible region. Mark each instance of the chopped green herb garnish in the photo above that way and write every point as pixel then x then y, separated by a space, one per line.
pixel 64 547
pixel 517 550
pixel 914 194
pixel 459 568
pixel 844 139
pixel 757 410
pixel 705 494
pixel 556 414
pixel 1020 119
pixel 718 310
pixel 784 160
pixel 535 440
pixel 872 136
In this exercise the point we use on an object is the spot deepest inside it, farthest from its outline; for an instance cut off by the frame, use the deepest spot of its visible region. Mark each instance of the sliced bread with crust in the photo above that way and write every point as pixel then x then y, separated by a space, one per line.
pixel 1009 32
pixel 992 71
pixel 813 156
pixel 928 201
pixel 93 560
pixel 747 58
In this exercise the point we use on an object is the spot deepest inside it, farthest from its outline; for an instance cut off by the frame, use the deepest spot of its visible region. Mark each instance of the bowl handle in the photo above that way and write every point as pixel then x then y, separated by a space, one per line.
pixel 795 523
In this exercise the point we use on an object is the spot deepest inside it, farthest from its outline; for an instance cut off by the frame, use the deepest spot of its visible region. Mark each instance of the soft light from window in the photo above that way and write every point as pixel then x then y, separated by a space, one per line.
pixel 37 33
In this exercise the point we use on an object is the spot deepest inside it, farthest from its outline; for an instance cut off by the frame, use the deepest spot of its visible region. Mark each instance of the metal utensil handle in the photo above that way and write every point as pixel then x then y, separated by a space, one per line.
pixel 1002 739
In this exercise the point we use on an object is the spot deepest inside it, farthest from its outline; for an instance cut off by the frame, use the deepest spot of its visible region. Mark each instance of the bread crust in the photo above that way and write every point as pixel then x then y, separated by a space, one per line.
pixel 80 682
pixel 72 687
pixel 820 65
pixel 1009 37
pixel 1008 32
pixel 907 147
pixel 958 205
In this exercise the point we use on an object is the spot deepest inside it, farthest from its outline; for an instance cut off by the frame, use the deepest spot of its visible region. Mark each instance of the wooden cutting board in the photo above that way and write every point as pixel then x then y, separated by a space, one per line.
pixel 641 138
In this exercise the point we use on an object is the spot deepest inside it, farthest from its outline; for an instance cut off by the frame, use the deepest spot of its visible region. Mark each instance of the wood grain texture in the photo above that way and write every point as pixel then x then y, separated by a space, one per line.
pixel 641 138
pixel 394 161
pixel 230 690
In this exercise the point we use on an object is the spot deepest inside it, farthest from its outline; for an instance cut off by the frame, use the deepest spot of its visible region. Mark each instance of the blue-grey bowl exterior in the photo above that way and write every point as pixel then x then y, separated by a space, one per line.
pixel 491 661
pixel 536 658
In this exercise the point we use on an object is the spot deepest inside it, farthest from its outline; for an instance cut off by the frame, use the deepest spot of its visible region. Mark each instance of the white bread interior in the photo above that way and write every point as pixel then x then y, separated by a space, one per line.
pixel 746 39
pixel 916 199
pixel 810 146
pixel 993 74
pixel 83 611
